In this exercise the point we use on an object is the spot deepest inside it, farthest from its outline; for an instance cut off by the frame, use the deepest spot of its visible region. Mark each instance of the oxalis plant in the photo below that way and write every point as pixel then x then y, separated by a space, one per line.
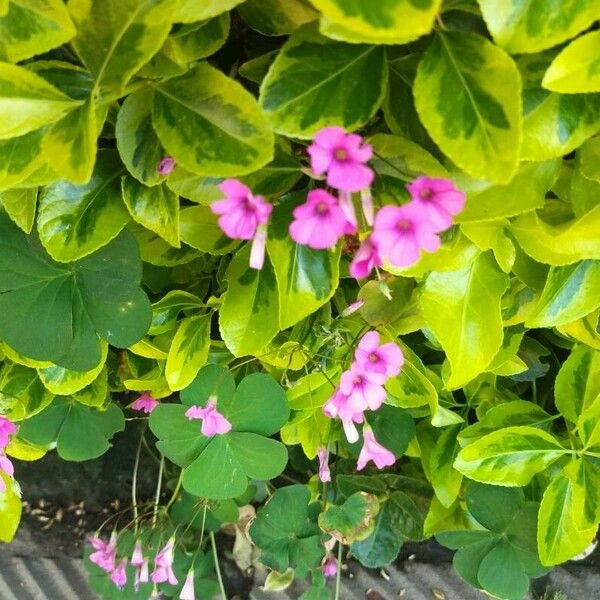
pixel 340 258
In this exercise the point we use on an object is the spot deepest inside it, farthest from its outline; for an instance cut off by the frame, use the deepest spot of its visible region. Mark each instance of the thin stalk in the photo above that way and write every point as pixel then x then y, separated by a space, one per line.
pixel 136 465
pixel 158 486
pixel 217 568
pixel 175 492
pixel 338 575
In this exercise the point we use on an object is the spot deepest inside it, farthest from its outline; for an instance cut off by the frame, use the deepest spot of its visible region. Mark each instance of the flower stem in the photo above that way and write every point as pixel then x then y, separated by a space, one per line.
pixel 158 486
pixel 134 477
pixel 175 492
pixel 217 568
pixel 338 575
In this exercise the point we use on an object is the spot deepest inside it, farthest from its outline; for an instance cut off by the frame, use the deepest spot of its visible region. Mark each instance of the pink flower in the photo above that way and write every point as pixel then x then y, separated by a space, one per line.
pixel 5 467
pixel 342 156
pixel 241 212
pixel 119 575
pixel 366 258
pixel 340 405
pixel 438 199
pixel 166 165
pixel 320 222
pixel 213 422
pixel 324 473
pixel 372 358
pixel 140 564
pixel 364 389
pixel 163 565
pixel 7 428
pixel 373 450
pixel 401 232
pixel 106 552
pixel 330 566
pixel 146 403
pixel 187 591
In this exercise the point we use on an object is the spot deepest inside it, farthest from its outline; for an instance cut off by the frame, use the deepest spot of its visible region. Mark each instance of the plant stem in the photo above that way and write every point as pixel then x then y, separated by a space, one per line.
pixel 217 568
pixel 338 575
pixel 158 486
pixel 175 492
pixel 134 478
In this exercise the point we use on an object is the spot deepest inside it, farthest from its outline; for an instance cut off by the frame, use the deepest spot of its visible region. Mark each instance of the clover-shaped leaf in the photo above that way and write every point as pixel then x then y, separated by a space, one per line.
pixel 80 432
pixel 501 558
pixel 71 304
pixel 354 520
pixel 286 531
pixel 219 466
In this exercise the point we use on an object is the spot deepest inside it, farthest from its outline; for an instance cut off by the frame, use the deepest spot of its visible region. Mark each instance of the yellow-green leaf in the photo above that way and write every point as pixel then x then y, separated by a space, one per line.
pixel 189 351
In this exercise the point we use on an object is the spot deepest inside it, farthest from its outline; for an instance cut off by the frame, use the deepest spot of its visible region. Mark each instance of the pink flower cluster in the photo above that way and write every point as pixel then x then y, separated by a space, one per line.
pixel 399 233
pixel 105 556
pixel 213 422
pixel 7 429
pixel 361 389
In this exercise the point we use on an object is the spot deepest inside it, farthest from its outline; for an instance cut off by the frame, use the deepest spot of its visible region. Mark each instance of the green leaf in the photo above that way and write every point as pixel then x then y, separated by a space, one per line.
pixel 210 124
pixel 71 142
pixel 394 428
pixel 397 156
pixel 492 235
pixel 500 575
pixel 189 351
pixel 64 382
pixel 20 205
pixel 559 537
pixel 30 27
pixel 155 251
pixel 586 475
pixel 562 244
pixel 399 519
pixel 76 220
pixel 578 382
pixel 353 520
pixel 21 156
pixel 316 82
pixel 473 334
pixel 308 425
pixel 27 102
pixel 467 94
pixel 277 17
pixel 438 451
pixel 553 124
pixel 532 26
pixel 306 278
pixel 156 208
pixel 510 456
pixel 384 22
pixel 10 511
pixel 218 467
pixel 137 142
pixel 508 414
pixel 589 159
pixel 248 317
pixel 189 11
pixel 571 292
pixel 197 40
pixel 525 192
pixel 199 229
pixel 70 304
pixel 80 432
pixel 167 309
pixel 576 69
pixel 286 532
pixel 116 37
pixel 96 393
pixel 22 394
